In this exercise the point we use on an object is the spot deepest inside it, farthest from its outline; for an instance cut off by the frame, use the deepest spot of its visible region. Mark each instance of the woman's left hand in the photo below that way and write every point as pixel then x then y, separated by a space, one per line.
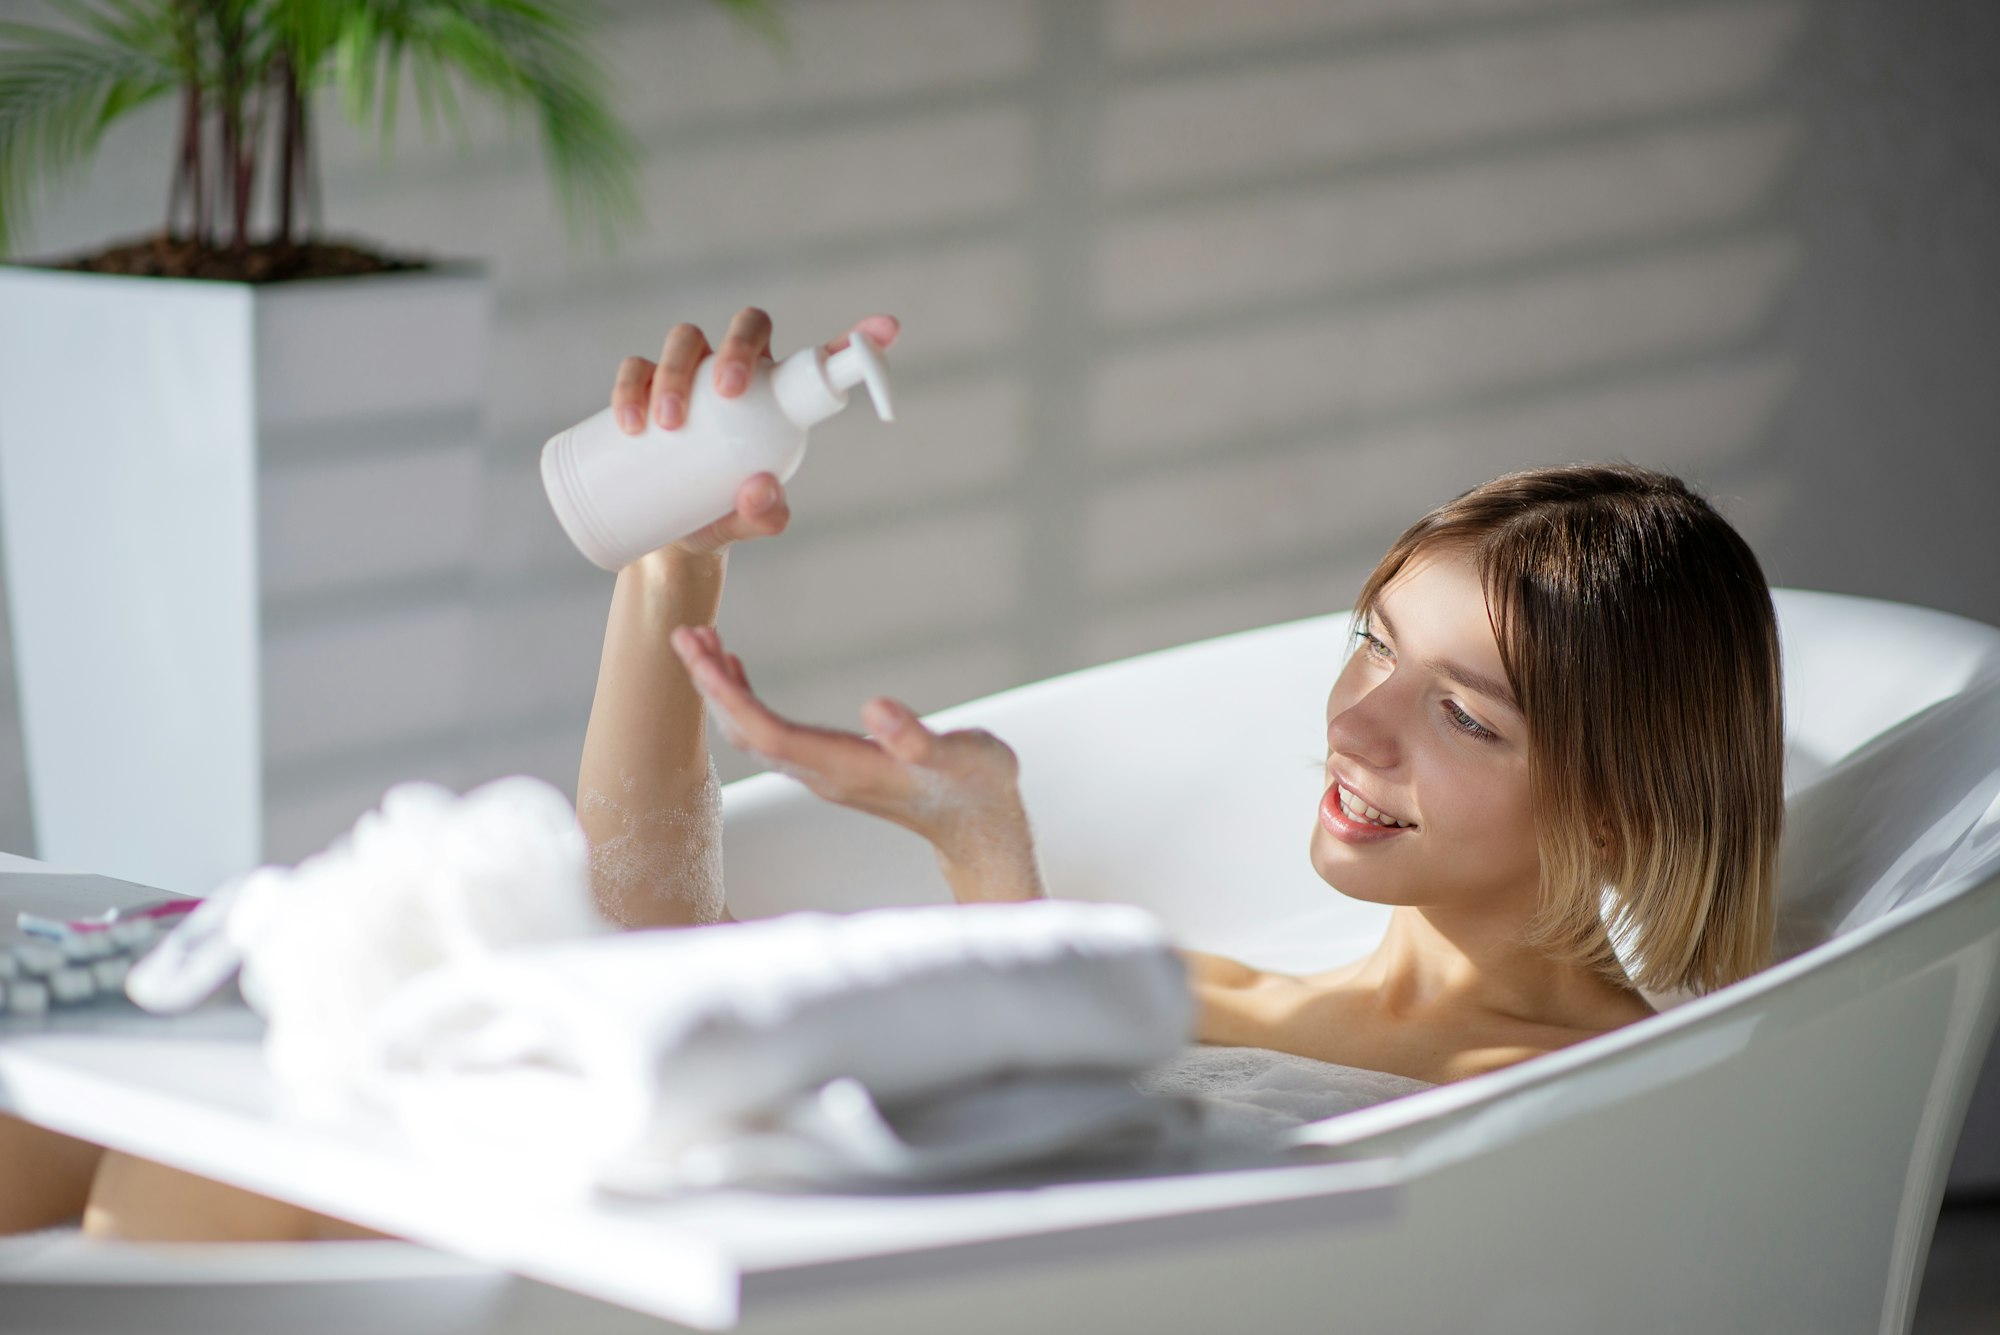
pixel 959 789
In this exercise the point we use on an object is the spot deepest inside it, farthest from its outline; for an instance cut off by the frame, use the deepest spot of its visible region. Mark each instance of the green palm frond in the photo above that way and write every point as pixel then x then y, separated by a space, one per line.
pixel 60 90
pixel 527 56
pixel 540 57
pixel 310 29
pixel 763 18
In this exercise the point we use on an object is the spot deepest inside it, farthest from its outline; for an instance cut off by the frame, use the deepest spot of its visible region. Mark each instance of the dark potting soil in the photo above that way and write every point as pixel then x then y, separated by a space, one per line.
pixel 160 256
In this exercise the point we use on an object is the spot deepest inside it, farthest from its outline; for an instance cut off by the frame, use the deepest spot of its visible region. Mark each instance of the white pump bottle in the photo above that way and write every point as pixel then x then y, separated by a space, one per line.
pixel 621 496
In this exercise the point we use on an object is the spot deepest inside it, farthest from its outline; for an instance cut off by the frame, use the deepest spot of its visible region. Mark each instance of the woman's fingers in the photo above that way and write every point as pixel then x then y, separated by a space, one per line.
pixel 710 641
pixel 748 340
pixel 897 730
pixel 661 392
pixel 838 765
pixel 686 345
pixel 882 328
pixel 922 780
pixel 761 511
pixel 628 394
pixel 761 508
pixel 763 730
pixel 900 731
pixel 751 724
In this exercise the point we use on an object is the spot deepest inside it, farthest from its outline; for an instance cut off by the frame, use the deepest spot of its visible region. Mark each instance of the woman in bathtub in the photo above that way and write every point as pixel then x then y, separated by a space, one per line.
pixel 1563 680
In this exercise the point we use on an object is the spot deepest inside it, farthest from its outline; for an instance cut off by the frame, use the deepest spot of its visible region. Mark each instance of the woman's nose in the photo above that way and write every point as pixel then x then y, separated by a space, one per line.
pixel 1364 731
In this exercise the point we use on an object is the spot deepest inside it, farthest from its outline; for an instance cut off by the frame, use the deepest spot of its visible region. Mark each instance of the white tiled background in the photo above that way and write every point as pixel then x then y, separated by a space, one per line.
pixel 1203 302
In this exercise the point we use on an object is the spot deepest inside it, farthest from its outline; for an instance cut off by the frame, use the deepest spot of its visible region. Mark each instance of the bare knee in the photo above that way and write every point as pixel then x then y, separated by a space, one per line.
pixel 138 1200
pixel 44 1176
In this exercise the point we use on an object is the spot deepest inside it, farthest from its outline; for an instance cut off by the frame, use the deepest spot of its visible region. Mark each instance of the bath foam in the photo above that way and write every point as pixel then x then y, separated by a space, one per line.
pixel 428 879
pixel 663 854
pixel 1254 1097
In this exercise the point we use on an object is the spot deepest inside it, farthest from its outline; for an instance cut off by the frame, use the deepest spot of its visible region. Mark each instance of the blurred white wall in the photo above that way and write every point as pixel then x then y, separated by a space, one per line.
pixel 1204 301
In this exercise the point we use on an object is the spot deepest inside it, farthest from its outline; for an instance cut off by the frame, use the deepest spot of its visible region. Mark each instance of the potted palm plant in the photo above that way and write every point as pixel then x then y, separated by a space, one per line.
pixel 240 467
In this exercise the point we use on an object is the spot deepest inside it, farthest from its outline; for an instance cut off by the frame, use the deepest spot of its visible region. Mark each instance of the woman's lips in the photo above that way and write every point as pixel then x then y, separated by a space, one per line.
pixel 1345 828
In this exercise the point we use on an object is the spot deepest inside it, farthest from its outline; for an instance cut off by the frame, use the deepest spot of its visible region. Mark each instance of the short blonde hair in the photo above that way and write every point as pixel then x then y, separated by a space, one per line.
pixel 1638 635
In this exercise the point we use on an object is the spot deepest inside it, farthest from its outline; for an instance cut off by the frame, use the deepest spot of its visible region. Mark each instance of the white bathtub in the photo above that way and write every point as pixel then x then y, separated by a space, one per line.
pixel 1768 1158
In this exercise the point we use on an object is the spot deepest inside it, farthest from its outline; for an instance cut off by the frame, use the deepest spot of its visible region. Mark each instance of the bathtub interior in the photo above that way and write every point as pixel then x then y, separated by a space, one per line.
pixel 1187 781
pixel 1914 811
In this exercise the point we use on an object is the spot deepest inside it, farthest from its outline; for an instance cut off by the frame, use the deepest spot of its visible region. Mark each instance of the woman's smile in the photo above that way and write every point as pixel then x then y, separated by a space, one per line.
pixel 1353 827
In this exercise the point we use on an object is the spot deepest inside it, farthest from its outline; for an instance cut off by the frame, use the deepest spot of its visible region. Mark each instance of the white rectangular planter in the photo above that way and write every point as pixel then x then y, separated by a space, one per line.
pixel 240 524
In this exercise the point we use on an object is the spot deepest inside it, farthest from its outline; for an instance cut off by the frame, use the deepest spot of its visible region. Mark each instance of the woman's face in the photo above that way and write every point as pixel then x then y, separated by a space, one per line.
pixel 1421 725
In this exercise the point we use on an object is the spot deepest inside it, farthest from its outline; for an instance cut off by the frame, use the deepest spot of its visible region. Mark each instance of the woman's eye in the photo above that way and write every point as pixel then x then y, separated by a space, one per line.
pixel 1465 723
pixel 1461 720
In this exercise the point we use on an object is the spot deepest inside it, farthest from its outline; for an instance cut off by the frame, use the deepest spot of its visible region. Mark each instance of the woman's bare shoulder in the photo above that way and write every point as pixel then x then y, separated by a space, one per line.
pixel 1613 1012
pixel 1530 1040
pixel 1205 970
pixel 1328 1018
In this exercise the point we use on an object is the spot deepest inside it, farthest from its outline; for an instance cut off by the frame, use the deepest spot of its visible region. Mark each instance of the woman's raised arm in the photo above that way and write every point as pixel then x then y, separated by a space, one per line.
pixel 646 790
pixel 647 793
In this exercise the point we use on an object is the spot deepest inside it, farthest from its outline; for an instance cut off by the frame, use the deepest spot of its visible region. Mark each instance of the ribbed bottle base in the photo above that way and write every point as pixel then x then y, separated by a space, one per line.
pixel 571 502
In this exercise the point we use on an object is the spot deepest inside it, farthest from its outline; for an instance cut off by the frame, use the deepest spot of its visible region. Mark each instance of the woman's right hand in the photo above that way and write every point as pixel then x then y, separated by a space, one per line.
pixel 957 789
pixel 661 391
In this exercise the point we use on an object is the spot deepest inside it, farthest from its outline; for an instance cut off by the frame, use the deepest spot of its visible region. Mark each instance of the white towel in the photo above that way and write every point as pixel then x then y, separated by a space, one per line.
pixel 895 1043
pixel 444 960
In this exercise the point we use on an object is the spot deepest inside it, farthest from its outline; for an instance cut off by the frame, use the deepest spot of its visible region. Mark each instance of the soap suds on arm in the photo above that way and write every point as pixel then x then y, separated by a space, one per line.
pixel 986 849
pixel 664 866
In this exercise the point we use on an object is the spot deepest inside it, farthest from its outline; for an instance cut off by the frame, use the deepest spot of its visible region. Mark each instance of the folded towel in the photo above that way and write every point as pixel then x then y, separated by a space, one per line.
pixel 840 1134
pixel 444 960
pixel 903 1043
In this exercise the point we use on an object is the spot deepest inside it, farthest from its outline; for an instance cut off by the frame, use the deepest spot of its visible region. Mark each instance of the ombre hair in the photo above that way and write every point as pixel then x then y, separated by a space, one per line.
pixel 1639 638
